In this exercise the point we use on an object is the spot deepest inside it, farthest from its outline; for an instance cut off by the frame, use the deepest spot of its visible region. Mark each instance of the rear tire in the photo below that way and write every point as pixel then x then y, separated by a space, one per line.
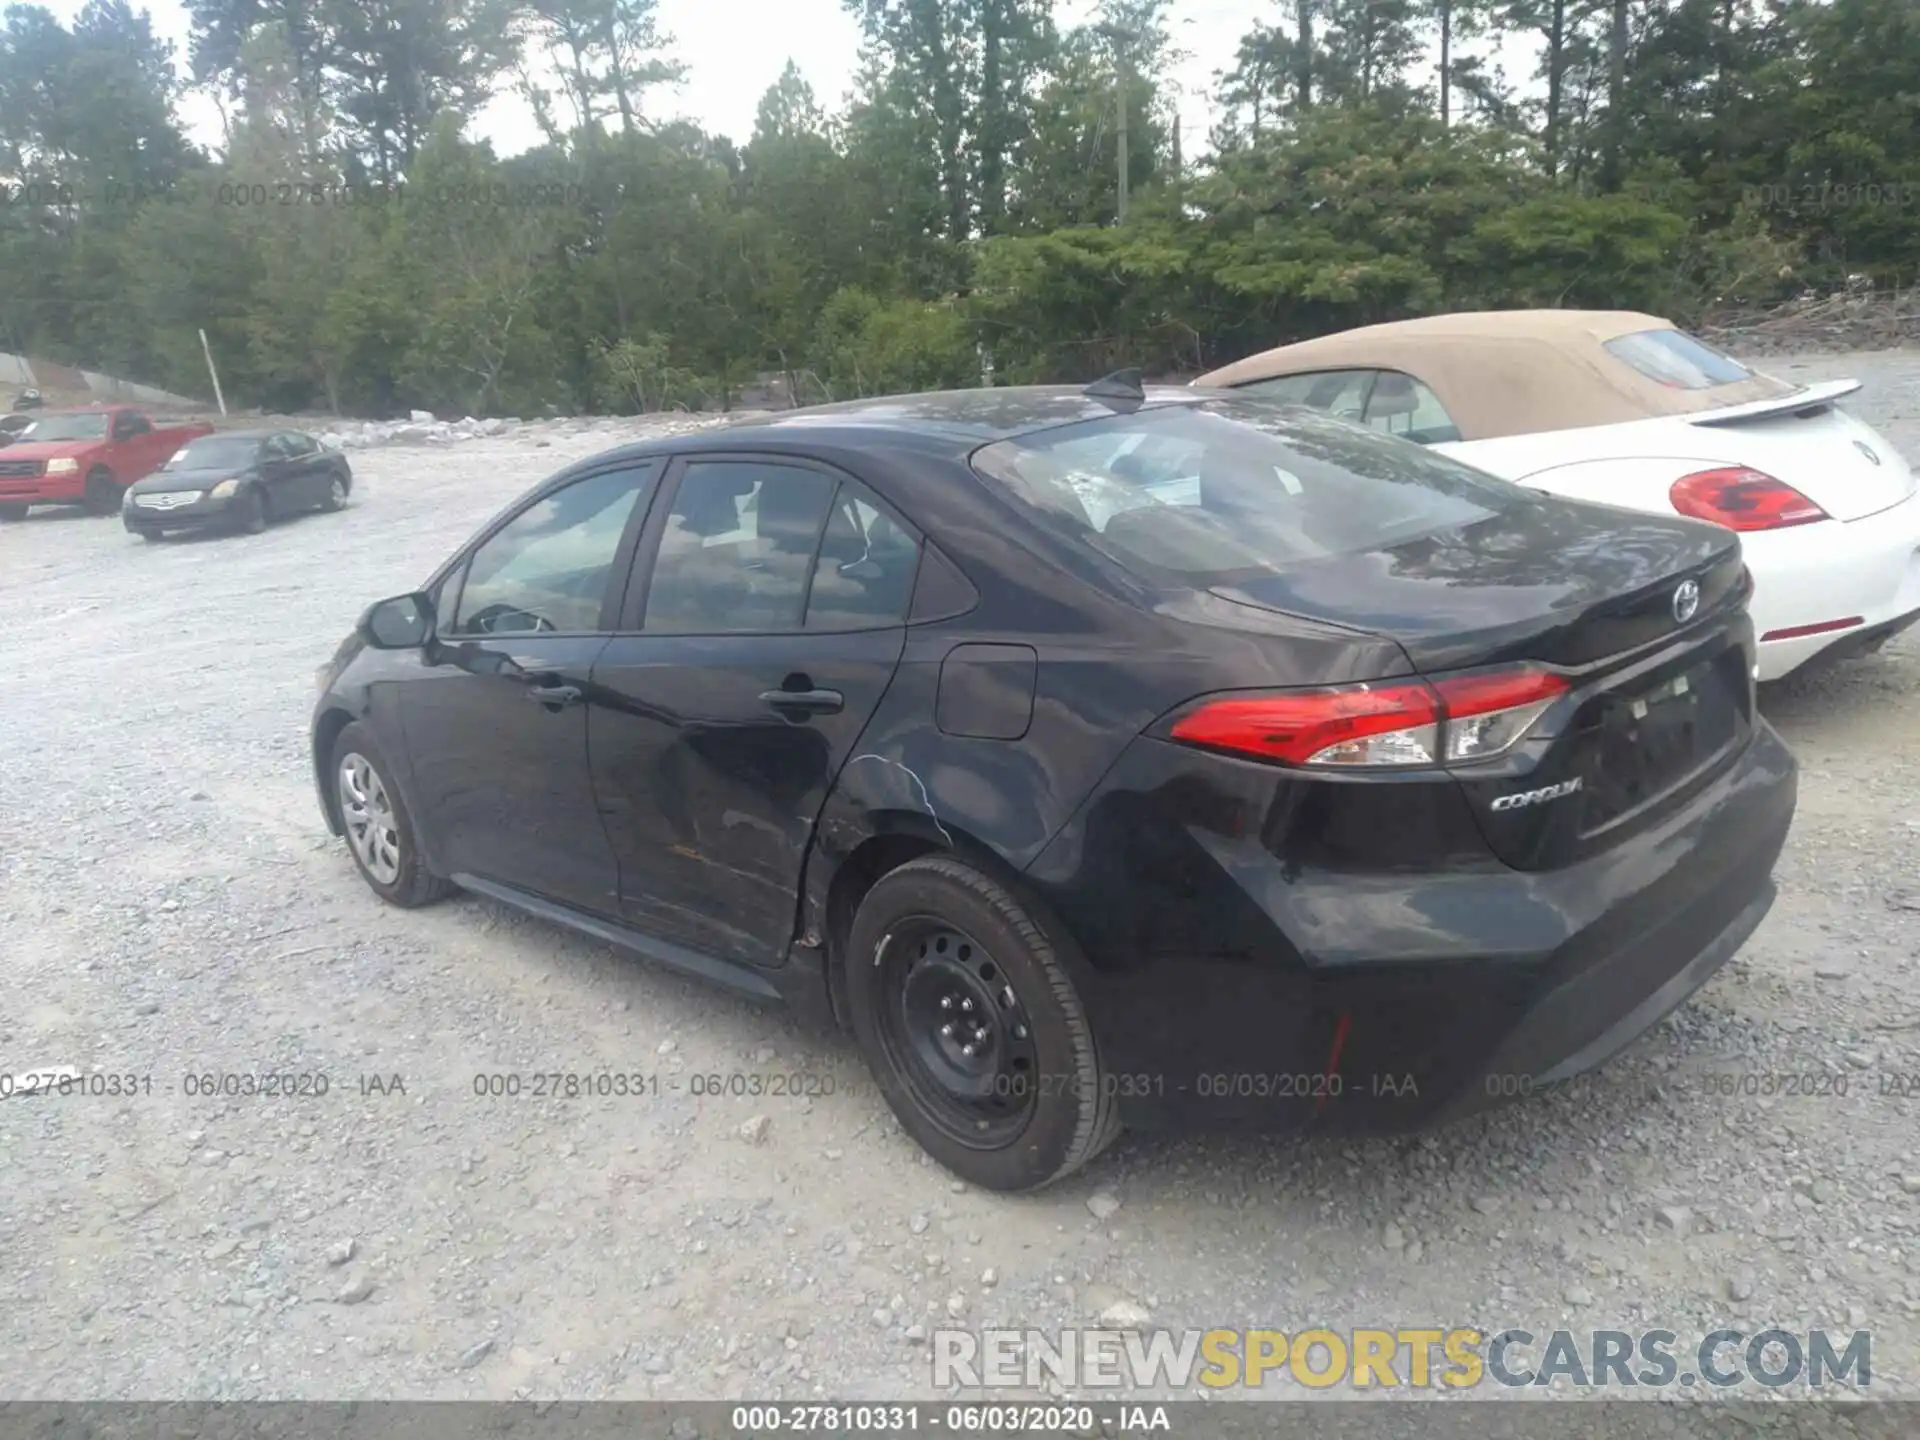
pixel 336 494
pixel 380 833
pixel 11 513
pixel 968 1017
pixel 102 495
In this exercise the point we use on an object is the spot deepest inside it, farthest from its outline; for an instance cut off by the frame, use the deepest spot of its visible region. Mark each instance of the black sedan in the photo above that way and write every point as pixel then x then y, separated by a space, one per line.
pixel 237 480
pixel 1099 758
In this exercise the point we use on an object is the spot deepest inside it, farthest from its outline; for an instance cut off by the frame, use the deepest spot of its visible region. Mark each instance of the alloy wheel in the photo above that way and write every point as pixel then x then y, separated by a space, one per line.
pixel 372 828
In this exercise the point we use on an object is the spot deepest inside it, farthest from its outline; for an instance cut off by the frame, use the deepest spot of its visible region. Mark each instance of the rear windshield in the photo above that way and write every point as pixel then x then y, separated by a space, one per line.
pixel 215 452
pixel 1229 489
pixel 1676 359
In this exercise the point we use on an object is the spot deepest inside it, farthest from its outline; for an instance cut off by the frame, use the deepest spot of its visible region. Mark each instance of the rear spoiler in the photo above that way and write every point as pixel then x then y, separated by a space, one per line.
pixel 1808 400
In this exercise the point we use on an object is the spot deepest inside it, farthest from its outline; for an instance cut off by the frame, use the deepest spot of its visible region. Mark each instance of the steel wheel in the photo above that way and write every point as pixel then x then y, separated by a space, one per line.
pixel 957 1033
pixel 372 828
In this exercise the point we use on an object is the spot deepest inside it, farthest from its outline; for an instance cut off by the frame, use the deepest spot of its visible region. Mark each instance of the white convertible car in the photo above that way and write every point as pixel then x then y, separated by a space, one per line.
pixel 1625 408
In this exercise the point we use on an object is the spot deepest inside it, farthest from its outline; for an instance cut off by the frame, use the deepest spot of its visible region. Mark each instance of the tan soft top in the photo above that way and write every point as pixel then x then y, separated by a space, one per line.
pixel 1509 372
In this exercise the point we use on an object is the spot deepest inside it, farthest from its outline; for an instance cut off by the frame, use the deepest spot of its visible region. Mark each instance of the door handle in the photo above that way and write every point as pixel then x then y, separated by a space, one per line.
pixel 805 702
pixel 555 695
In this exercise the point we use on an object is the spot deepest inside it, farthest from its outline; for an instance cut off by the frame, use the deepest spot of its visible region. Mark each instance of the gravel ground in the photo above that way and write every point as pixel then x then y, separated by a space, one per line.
pixel 170 905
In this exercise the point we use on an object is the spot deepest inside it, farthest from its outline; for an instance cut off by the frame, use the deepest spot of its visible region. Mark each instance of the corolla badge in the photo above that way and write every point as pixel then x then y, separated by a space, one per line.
pixel 1523 798
pixel 1866 450
pixel 1686 602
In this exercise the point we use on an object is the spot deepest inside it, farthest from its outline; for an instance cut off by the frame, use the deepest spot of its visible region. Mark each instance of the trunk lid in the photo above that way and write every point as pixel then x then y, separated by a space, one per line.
pixel 1661 695
pixel 1806 440
pixel 1559 581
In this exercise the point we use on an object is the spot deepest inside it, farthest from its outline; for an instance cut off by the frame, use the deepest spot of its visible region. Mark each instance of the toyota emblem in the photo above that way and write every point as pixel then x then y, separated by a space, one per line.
pixel 1866 450
pixel 1686 601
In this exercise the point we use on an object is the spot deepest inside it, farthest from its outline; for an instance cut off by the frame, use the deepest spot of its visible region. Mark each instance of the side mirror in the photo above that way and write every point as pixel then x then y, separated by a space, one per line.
pixel 404 622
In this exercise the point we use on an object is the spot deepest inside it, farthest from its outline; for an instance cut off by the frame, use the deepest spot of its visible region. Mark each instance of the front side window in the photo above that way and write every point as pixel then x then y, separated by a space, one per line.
pixel 546 570
pixel 1338 392
pixel 1239 488
pixel 738 548
pixel 1677 359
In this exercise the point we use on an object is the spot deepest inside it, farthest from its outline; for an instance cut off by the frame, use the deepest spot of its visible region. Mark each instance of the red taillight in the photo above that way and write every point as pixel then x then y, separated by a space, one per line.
pixel 1400 722
pixel 1742 499
pixel 1296 727
pixel 1467 695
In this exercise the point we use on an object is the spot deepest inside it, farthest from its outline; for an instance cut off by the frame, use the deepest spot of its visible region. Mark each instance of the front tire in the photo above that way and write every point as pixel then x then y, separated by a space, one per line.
pixel 380 833
pixel 336 498
pixel 10 513
pixel 102 495
pixel 252 517
pixel 967 1014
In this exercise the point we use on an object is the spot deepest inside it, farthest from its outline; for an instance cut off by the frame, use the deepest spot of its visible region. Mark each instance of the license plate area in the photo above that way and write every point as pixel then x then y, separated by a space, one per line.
pixel 1648 743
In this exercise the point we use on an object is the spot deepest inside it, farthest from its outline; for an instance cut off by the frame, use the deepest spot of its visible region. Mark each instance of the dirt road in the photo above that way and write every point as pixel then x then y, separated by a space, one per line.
pixel 171 907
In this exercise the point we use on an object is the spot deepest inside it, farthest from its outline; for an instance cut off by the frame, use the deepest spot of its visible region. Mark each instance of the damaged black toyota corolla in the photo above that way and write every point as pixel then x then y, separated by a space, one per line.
pixel 1100 758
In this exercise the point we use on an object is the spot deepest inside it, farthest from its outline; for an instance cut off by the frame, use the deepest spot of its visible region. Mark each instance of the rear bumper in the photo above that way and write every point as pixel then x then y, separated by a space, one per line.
pixel 1865 570
pixel 1391 1002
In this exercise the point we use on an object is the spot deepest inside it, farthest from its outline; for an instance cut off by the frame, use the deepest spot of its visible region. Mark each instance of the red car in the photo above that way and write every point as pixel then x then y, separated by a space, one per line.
pixel 85 457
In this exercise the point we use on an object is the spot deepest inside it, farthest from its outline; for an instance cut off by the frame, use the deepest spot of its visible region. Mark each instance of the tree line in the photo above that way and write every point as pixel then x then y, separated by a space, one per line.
pixel 351 247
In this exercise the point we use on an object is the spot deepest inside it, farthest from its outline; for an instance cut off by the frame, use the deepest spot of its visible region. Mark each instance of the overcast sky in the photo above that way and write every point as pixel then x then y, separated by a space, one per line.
pixel 734 51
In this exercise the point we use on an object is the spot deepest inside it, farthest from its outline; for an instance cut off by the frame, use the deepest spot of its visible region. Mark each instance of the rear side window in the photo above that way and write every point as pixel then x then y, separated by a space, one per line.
pixel 864 575
pixel 1678 360
pixel 738 548
pixel 1234 488
pixel 1338 392
pixel 1401 405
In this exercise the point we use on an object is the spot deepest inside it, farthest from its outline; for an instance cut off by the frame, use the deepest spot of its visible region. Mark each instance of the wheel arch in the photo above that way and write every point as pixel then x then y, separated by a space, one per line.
pixel 326 733
pixel 893 839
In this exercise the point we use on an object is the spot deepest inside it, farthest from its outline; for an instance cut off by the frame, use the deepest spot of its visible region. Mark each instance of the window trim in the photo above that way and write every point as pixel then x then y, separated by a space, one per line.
pixel 611 598
pixel 632 614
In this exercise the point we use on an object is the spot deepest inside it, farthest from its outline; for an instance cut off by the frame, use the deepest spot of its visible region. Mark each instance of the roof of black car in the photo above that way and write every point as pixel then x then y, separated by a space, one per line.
pixel 972 417
pixel 239 435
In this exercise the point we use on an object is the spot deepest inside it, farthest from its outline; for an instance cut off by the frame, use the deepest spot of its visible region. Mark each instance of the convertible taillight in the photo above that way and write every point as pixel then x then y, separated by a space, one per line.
pixel 1742 499
pixel 1455 718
